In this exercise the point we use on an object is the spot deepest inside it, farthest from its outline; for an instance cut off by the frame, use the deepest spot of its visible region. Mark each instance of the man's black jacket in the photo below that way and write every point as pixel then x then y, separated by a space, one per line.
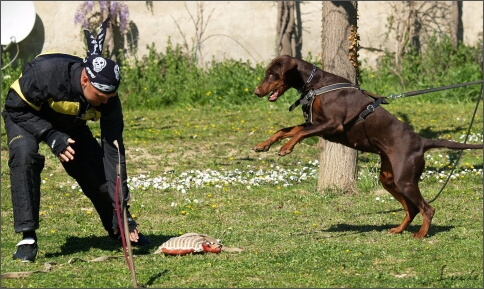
pixel 49 97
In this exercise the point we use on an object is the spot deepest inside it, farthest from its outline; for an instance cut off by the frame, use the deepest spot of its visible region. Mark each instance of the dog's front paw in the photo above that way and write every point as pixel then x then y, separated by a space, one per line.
pixel 262 147
pixel 284 151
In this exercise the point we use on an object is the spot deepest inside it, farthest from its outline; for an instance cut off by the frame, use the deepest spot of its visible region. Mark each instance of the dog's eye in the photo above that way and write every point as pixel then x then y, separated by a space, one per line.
pixel 272 77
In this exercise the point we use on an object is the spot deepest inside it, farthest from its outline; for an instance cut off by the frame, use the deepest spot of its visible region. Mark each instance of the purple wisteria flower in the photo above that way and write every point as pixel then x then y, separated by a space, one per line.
pixel 81 14
pixel 88 16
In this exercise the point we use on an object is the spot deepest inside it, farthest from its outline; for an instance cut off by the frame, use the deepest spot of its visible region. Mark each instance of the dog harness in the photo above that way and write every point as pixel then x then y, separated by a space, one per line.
pixel 307 99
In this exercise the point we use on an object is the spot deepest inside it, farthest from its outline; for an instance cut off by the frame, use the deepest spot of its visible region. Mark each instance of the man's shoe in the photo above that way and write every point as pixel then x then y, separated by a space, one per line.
pixel 26 250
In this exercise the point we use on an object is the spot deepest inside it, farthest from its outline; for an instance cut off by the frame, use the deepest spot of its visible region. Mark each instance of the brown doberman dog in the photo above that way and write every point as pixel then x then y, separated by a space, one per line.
pixel 340 112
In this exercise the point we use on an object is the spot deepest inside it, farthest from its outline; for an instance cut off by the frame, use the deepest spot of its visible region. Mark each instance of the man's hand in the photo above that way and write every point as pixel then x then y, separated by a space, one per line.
pixel 59 144
pixel 133 236
pixel 68 153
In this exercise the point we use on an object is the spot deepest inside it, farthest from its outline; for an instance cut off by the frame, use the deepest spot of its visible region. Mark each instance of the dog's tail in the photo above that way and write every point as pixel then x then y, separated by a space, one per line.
pixel 432 143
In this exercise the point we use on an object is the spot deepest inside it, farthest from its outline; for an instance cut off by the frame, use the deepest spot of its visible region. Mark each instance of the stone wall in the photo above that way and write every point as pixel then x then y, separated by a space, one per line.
pixel 244 30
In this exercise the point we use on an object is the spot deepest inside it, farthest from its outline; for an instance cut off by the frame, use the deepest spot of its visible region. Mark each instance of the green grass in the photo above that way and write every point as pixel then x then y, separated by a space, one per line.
pixel 291 234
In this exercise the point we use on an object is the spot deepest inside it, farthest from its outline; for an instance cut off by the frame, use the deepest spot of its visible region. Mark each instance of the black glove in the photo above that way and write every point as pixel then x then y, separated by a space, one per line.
pixel 57 141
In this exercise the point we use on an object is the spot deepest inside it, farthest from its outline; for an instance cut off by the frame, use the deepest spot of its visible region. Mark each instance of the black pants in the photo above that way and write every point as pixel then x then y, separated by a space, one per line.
pixel 26 165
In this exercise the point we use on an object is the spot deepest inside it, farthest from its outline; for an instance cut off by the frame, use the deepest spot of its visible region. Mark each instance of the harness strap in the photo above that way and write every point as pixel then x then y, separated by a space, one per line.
pixel 309 96
pixel 370 108
pixel 375 96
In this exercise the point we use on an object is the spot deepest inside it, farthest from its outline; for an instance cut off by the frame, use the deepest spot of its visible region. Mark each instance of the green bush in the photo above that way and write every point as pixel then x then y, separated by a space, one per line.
pixel 159 79
pixel 172 78
pixel 439 65
pixel 10 72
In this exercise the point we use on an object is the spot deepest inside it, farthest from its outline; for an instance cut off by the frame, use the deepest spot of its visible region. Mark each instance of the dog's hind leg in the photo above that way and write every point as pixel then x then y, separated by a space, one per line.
pixel 427 212
pixel 387 181
pixel 417 203
pixel 406 178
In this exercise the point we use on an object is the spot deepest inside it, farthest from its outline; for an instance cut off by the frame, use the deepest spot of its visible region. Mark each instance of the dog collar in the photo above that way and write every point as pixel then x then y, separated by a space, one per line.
pixel 309 79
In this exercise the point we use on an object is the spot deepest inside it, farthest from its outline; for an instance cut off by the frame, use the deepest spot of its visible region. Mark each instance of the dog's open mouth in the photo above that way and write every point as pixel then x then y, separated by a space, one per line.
pixel 273 95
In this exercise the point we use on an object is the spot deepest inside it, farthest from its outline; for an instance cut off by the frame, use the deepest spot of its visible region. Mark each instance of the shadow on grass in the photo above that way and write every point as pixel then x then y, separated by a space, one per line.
pixel 75 245
pixel 155 277
pixel 342 230
pixel 434 229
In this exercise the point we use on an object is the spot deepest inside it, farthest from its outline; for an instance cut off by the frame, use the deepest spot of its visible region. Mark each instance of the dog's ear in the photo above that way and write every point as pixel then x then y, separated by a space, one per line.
pixel 287 63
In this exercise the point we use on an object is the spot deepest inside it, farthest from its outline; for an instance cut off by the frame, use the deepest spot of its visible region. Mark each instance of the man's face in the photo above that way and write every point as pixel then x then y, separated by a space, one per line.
pixel 93 96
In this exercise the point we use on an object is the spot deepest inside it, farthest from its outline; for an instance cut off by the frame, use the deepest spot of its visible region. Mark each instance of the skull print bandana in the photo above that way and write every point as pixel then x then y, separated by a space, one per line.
pixel 103 73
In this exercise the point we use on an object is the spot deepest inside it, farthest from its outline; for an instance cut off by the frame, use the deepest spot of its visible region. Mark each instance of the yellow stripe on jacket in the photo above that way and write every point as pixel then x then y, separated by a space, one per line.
pixel 64 107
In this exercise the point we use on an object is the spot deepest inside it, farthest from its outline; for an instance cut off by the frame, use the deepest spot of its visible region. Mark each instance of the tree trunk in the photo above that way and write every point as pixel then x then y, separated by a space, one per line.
pixel 108 49
pixel 456 26
pixel 289 29
pixel 114 42
pixel 337 163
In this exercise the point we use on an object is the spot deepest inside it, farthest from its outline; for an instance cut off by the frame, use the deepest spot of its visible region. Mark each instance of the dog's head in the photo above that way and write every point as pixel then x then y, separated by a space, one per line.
pixel 275 82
